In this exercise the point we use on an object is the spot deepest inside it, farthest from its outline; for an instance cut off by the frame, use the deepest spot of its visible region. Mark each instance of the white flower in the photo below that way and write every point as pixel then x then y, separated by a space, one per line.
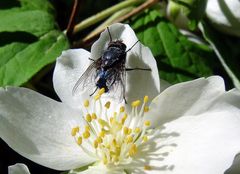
pixel 18 169
pixel 191 127
pixel 224 15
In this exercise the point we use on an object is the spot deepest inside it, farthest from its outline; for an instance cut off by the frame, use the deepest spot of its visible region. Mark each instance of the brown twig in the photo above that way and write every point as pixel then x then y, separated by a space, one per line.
pixel 137 10
pixel 72 21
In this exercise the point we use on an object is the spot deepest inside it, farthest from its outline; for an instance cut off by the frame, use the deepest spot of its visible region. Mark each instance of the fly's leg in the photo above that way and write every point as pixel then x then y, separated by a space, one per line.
pixel 91 59
pixel 132 46
pixel 142 69
pixel 93 92
pixel 124 98
pixel 110 37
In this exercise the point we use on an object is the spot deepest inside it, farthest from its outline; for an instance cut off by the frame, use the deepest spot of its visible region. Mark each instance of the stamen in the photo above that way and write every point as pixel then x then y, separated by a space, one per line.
pixel 146 167
pixel 147 123
pixel 146 109
pixel 129 139
pixel 79 140
pixel 122 109
pixel 86 134
pixel 145 99
pixel 87 128
pixel 74 131
pixel 103 123
pixel 99 140
pixel 137 130
pixel 115 136
pixel 145 138
pixel 102 134
pixel 97 97
pixel 86 103
pixel 136 103
pixel 94 116
pixel 95 144
pixel 88 118
pixel 101 91
pixel 107 105
pixel 133 150
pixel 125 130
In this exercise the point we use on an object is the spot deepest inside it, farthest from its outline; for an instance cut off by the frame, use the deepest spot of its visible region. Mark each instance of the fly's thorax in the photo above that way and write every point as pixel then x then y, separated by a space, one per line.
pixel 112 57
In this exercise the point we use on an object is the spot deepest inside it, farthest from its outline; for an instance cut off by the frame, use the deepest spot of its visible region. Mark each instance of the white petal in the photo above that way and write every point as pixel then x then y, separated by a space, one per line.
pixel 188 98
pixel 205 144
pixel 69 68
pixel 138 82
pixel 118 32
pixel 39 128
pixel 18 169
pixel 99 169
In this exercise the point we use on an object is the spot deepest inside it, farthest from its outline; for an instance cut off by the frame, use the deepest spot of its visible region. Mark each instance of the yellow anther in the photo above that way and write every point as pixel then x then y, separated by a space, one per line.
pixel 102 122
pixel 136 103
pixel 145 138
pixel 86 134
pixel 114 142
pixel 125 130
pixel 107 105
pixel 101 91
pixel 88 118
pixel 123 121
pixel 124 118
pixel 97 97
pixel 145 99
pixel 146 109
pixel 99 140
pixel 132 150
pixel 102 134
pixel 137 130
pixel 129 131
pixel 87 128
pixel 95 144
pixel 122 109
pixel 146 167
pixel 79 140
pixel 115 158
pixel 111 120
pixel 86 103
pixel 94 116
pixel 75 130
pixel 129 139
pixel 105 161
pixel 147 123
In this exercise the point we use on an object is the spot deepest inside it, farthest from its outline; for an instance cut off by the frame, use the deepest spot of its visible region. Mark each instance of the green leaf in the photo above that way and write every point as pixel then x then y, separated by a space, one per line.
pixel 29 40
pixel 178 58
pixel 226 49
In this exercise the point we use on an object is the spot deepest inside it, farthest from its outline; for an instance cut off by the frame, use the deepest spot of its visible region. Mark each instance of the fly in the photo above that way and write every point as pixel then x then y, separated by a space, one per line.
pixel 108 71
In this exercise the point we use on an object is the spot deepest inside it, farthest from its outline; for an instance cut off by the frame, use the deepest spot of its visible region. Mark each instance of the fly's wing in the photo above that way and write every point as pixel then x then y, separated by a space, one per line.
pixel 116 83
pixel 87 79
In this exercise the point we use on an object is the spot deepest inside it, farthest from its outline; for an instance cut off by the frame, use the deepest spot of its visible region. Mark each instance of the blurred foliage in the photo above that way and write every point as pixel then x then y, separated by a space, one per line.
pixel 227 50
pixel 178 58
pixel 29 40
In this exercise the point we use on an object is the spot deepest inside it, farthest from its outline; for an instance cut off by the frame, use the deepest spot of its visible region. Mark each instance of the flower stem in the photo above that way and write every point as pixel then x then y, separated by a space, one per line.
pixel 103 14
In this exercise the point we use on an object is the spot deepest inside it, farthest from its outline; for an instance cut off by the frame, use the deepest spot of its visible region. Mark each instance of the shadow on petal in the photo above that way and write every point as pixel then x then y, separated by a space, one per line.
pixel 155 150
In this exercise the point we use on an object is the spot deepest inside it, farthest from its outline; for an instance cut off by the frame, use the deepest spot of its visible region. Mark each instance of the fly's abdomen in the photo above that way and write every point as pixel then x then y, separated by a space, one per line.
pixel 102 80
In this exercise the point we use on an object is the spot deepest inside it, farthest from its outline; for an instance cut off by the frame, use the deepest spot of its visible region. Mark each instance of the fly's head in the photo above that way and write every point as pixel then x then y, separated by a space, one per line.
pixel 117 44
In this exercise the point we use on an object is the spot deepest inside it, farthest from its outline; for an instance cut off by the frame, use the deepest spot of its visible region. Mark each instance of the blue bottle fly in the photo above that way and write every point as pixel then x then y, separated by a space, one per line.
pixel 108 71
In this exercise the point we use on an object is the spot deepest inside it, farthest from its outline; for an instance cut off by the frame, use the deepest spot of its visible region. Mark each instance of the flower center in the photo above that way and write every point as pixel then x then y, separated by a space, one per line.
pixel 114 136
